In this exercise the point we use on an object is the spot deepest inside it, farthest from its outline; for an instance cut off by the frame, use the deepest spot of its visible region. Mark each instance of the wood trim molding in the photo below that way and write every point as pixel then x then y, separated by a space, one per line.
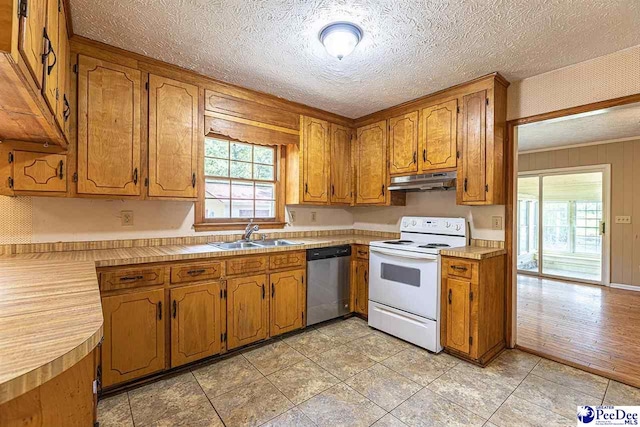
pixel 217 226
pixel 251 122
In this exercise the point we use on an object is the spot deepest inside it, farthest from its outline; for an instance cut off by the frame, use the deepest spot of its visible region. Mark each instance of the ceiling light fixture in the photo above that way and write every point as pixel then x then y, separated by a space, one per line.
pixel 340 38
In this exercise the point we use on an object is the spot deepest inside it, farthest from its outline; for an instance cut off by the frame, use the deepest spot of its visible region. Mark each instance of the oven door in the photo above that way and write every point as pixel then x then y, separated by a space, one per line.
pixel 408 281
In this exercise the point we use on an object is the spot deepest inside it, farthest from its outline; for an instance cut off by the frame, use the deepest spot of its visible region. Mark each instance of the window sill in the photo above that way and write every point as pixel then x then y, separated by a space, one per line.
pixel 236 226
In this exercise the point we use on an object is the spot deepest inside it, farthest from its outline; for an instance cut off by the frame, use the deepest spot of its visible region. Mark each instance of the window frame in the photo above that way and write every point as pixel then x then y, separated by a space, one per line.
pixel 211 224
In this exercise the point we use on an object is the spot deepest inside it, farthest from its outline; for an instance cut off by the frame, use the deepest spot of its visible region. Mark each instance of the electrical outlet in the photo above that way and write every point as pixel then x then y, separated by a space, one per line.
pixel 126 218
pixel 292 215
pixel 313 216
pixel 496 222
pixel 623 220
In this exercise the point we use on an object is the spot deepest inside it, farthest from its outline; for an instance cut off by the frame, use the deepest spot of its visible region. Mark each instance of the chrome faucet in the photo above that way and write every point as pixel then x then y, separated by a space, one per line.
pixel 249 230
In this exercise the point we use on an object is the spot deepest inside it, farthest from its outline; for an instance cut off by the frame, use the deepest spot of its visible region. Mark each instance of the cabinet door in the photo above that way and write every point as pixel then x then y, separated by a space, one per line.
pixel 196 322
pixel 39 172
pixel 133 336
pixel 288 301
pixel 371 164
pixel 403 144
pixel 108 128
pixel 472 177
pixel 64 53
pixel 341 170
pixel 438 136
pixel 458 314
pixel 362 287
pixel 173 138
pixel 315 155
pixel 52 60
pixel 32 41
pixel 247 310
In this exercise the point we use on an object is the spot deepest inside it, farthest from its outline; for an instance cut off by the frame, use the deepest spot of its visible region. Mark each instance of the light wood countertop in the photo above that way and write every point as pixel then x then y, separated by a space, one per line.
pixel 473 252
pixel 50 319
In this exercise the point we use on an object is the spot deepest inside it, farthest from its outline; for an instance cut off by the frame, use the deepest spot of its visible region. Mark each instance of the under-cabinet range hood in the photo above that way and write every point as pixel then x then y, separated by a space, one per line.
pixel 426 182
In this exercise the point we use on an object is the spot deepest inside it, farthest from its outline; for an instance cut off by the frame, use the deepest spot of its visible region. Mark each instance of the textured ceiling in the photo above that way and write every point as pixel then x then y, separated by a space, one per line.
pixel 409 49
pixel 604 125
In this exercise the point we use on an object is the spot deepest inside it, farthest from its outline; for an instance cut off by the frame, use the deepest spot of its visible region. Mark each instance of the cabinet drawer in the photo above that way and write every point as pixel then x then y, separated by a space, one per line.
pixel 246 265
pixel 194 272
pixel 459 268
pixel 131 278
pixel 287 260
pixel 362 252
pixel 39 172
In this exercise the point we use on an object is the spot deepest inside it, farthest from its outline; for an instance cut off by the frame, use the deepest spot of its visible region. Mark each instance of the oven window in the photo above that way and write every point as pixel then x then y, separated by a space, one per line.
pixel 400 274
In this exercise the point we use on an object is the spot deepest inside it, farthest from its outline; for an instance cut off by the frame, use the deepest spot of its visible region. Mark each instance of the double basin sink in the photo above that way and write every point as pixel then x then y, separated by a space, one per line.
pixel 267 243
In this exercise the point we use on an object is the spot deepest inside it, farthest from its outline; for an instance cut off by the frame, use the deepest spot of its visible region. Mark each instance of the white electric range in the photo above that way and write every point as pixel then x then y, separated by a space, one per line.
pixel 404 279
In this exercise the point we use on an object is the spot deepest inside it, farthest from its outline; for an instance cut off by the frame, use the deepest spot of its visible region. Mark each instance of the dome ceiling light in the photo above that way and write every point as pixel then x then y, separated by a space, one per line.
pixel 340 38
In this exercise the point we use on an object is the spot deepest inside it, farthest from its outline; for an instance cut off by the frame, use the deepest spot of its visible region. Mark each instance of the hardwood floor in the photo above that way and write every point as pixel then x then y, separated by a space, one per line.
pixel 587 326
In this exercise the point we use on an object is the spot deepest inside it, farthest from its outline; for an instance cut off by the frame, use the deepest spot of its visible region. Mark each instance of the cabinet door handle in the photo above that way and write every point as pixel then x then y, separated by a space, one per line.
pixel 383 187
pixel 67 108
pixel 196 272
pixel 131 278
pixel 366 277
pixel 273 290
pixel 424 154
pixel 415 157
pixel 449 296
pixel 263 291
pixel 193 180
pixel 50 50
pixel 175 309
pixel 333 190
pixel 159 310
pixel 135 176
pixel 60 171
pixel 465 185
pixel 306 187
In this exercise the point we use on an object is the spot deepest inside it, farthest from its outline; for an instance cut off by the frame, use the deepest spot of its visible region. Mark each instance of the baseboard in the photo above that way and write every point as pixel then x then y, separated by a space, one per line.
pixel 625 287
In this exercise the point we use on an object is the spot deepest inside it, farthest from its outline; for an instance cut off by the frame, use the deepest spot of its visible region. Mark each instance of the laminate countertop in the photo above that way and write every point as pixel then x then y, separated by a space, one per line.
pixel 50 319
pixel 473 252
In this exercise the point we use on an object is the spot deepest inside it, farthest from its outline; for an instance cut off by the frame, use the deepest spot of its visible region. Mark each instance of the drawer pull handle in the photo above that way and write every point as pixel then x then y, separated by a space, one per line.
pixel 196 272
pixel 362 253
pixel 131 278
pixel 459 268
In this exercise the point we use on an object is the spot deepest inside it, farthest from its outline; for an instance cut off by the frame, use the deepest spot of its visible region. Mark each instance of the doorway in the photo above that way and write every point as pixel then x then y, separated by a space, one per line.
pixel 562 217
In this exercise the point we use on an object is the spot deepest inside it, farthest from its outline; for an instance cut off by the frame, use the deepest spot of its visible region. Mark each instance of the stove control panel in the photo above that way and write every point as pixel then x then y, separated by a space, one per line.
pixel 434 225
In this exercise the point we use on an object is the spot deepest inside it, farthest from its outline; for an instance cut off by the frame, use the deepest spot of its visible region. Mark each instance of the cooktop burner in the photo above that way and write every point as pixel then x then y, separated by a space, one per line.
pixel 399 242
pixel 434 245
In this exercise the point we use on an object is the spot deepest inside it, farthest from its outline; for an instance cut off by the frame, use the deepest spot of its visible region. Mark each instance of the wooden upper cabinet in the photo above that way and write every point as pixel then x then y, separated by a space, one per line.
pixel 247 310
pixel 403 144
pixel 134 336
pixel 472 173
pixel 371 164
pixel 458 316
pixel 341 167
pixel 438 136
pixel 63 110
pixel 288 301
pixel 39 172
pixel 108 128
pixel 173 138
pixel 314 146
pixel 32 44
pixel 196 322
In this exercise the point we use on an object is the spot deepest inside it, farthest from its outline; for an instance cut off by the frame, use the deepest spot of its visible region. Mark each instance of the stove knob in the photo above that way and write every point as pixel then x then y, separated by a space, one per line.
pixel 405 223
pixel 413 222
pixel 458 227
pixel 447 224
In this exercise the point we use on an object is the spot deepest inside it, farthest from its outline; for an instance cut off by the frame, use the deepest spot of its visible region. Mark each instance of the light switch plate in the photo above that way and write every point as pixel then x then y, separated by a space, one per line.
pixel 314 216
pixel 126 218
pixel 496 222
pixel 623 219
pixel 292 215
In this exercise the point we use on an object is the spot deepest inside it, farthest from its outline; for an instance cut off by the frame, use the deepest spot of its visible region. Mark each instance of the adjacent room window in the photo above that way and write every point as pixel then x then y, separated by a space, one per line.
pixel 240 181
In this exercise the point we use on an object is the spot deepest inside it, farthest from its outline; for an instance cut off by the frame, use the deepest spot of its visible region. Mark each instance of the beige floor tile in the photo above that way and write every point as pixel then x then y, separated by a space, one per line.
pixel 174 401
pixel 512 366
pixel 341 406
pixel 114 411
pixel 419 365
pixel 273 357
pixel 552 396
pixel 251 404
pixel 571 377
pixel 516 411
pixel 220 377
pixel 472 389
pixel 622 395
pixel 312 342
pixel 343 361
pixel 389 421
pixel 294 417
pixel 384 387
pixel 346 330
pixel 379 346
pixel 302 381
pixel 427 409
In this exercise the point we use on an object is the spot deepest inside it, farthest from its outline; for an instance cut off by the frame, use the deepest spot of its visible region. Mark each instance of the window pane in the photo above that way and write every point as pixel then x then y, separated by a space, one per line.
pixel 263 155
pixel 216 167
pixel 242 209
pixel 242 190
pixel 218 189
pixel 263 172
pixel 217 208
pixel 240 170
pixel 240 151
pixel 265 191
pixel 265 209
pixel 216 148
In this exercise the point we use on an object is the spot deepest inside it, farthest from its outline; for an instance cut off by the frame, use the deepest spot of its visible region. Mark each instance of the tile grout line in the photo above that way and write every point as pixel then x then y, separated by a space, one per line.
pixel 133 421
pixel 605 392
pixel 207 396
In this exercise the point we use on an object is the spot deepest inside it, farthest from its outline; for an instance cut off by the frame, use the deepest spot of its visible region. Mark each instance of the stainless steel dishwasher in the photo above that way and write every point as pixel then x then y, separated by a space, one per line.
pixel 327 283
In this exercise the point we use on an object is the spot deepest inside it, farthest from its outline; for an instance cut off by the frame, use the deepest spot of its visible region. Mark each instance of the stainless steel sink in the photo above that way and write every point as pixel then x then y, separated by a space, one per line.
pixel 236 245
pixel 275 242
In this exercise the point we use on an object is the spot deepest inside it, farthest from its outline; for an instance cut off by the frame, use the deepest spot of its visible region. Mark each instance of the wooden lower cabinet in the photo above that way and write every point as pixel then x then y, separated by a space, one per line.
pixel 134 336
pixel 196 322
pixel 247 310
pixel 288 301
pixel 360 286
pixel 472 301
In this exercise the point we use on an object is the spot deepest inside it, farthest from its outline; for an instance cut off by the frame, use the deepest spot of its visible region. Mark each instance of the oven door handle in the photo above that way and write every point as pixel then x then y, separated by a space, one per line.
pixel 404 254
